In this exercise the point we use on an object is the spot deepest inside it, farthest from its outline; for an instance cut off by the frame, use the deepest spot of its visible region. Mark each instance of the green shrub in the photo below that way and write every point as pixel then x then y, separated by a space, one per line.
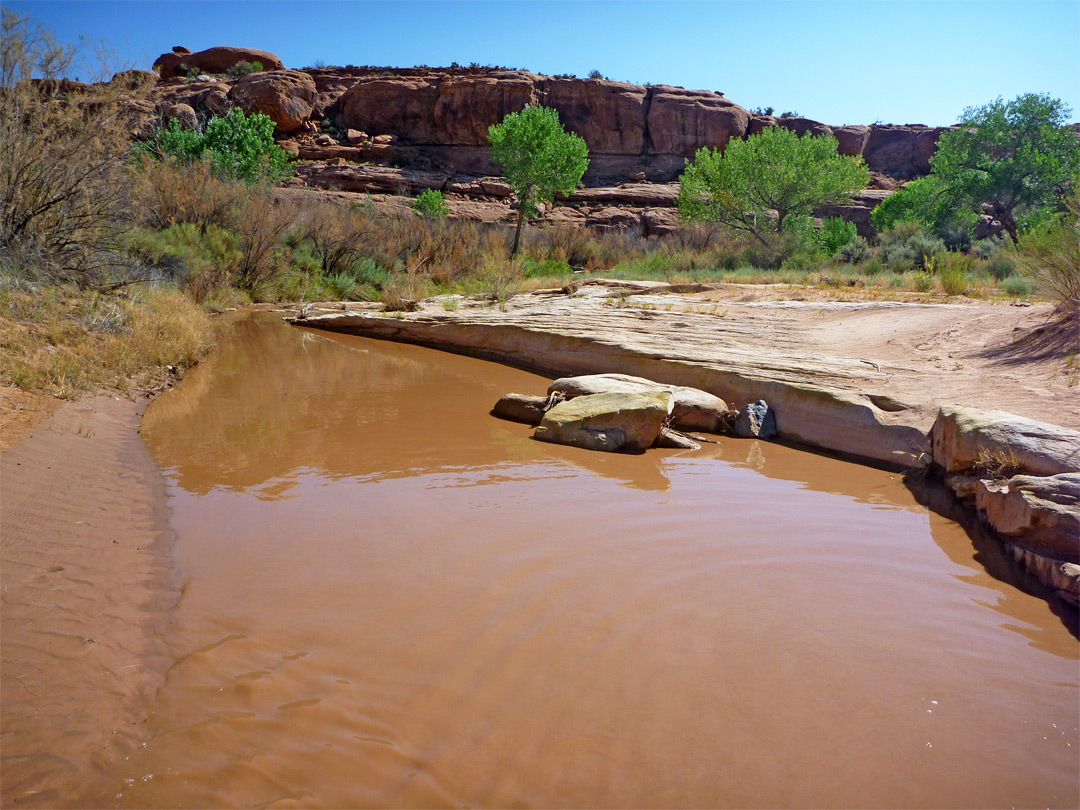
pixel 872 267
pixel 238 146
pixel 836 234
pixel 431 204
pixel 241 69
pixel 856 251
pixel 906 246
pixel 953 268
pixel 1018 286
pixel 922 281
pixel 1000 268
pixel 1051 256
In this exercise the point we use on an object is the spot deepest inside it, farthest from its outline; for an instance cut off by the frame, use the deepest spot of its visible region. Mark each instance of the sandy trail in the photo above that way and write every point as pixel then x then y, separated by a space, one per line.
pixel 86 586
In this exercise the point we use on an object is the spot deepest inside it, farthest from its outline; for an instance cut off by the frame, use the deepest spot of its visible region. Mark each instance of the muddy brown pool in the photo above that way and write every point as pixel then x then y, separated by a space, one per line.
pixel 393 599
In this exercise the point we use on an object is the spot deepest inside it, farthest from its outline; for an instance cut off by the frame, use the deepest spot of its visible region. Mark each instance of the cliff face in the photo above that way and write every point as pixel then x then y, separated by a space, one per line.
pixel 442 115
pixel 628 128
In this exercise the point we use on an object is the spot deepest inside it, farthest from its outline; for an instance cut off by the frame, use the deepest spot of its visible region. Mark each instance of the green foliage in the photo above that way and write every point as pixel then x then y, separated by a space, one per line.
pixel 836 234
pixel 907 246
pixel 1016 157
pixel 856 251
pixel 239 146
pixel 927 201
pixel 430 204
pixel 1051 256
pixel 244 68
pixel 538 158
pixel 773 171
pixel 1000 268
pixel 1018 286
pixel 953 270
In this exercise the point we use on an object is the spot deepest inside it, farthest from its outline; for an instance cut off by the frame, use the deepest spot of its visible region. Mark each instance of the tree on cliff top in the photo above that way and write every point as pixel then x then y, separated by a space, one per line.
pixel 757 185
pixel 538 158
pixel 1016 157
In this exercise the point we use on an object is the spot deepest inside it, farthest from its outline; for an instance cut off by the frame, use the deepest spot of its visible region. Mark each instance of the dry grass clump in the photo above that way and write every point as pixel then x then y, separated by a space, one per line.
pixel 62 183
pixel 165 193
pixel 1051 256
pixel 64 341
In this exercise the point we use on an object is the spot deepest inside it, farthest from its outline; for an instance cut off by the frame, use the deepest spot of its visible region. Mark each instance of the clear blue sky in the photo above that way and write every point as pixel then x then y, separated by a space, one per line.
pixel 847 61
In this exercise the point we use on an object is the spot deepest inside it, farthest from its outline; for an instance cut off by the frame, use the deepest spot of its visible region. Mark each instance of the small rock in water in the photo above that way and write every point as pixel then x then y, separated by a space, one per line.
pixel 756 421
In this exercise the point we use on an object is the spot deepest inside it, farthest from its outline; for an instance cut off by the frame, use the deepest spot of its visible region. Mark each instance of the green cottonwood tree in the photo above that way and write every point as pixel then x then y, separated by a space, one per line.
pixel 1015 156
pixel 538 158
pixel 756 185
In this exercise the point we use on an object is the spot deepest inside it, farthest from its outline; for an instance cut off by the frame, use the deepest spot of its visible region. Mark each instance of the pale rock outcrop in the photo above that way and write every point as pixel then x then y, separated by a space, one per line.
pixel 612 422
pixel 966 438
pixel 1043 513
pixel 692 409
pixel 756 421
pixel 674 440
pixel 285 96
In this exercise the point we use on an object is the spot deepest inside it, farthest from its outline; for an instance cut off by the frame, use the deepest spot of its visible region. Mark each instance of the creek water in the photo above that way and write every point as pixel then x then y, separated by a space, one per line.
pixel 392 598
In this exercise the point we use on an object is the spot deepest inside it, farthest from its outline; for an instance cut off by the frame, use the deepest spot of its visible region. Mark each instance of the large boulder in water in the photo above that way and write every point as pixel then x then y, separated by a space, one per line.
pixel 693 408
pixel 613 422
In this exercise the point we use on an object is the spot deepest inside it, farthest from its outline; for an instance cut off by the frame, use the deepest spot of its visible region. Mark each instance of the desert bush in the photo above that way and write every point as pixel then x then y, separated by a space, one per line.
pixel 1051 256
pixel 1018 286
pixel 856 251
pixel 62 184
pixel 201 257
pixel 1000 268
pixel 906 246
pixel 430 204
pixel 243 68
pixel 335 233
pixel 922 281
pixel 261 226
pixel 953 270
pixel 169 192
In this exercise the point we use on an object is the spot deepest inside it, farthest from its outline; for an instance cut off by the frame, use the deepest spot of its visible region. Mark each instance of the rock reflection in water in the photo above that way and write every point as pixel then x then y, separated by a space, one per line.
pixel 393 599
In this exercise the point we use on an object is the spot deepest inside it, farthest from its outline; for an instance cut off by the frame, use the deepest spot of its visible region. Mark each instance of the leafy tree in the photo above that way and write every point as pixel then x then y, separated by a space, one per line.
pixel 928 201
pixel 1015 157
pixel 538 158
pixel 239 146
pixel 756 185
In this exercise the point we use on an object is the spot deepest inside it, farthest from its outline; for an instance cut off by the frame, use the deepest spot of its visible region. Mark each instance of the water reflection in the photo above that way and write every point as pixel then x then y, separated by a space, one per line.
pixel 393 599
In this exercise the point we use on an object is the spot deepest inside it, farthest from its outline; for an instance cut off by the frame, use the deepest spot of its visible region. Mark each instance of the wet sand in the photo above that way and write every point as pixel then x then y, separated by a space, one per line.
pixel 86 586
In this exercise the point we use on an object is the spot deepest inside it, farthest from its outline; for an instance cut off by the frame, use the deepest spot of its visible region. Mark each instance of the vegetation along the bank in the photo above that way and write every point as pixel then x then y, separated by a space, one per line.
pixel 113 253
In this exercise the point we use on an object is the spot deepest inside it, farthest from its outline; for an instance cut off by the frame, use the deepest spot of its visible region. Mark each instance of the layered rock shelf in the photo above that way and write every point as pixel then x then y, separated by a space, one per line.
pixel 434 121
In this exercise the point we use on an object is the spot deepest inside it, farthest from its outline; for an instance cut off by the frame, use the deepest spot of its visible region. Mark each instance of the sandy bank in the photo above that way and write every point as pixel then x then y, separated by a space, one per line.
pixel 86 581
